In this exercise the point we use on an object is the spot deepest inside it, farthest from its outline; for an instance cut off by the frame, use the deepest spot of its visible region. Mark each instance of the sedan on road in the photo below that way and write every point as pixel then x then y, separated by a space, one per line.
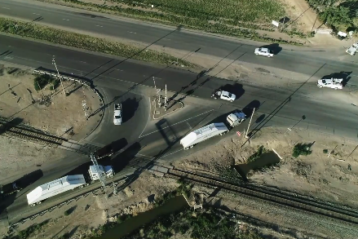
pixel 263 52
pixel 223 95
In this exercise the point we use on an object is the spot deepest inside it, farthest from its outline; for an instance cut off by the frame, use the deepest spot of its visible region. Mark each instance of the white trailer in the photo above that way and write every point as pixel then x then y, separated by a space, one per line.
pixel 54 188
pixel 236 118
pixel 95 171
pixel 203 134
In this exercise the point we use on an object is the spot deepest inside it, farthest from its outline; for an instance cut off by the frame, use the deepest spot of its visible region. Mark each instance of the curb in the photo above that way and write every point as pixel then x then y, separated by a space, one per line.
pixel 39 72
pixel 182 106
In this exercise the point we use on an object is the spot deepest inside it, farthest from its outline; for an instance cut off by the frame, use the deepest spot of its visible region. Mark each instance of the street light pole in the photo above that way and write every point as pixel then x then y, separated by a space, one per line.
pixel 58 75
pixel 248 127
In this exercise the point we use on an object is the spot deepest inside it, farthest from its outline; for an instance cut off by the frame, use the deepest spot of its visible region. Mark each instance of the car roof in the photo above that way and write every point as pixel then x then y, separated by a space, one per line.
pixel 226 93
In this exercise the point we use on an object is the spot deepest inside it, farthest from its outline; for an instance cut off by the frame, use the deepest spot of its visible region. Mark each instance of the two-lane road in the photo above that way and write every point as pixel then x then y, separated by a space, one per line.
pixel 301 60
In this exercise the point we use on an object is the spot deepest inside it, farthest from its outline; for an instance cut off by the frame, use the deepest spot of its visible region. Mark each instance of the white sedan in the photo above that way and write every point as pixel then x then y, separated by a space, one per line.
pixel 330 83
pixel 263 52
pixel 224 95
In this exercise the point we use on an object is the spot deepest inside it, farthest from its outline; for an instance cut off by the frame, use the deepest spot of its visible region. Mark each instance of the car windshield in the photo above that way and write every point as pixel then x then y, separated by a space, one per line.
pixel 323 81
pixel 117 116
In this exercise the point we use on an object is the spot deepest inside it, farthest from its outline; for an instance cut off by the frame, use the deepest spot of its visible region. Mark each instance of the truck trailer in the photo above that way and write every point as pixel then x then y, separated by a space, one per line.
pixel 67 183
pixel 203 134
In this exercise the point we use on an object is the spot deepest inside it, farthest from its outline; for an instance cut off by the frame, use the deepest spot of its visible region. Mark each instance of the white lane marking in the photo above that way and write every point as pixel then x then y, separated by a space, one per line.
pixel 150 110
pixel 83 62
pixel 144 156
pixel 180 122
pixel 6 8
pixel 132 32
pixel 99 26
pixel 165 155
pixel 189 125
pixel 8 58
pixel 65 19
pixel 36 14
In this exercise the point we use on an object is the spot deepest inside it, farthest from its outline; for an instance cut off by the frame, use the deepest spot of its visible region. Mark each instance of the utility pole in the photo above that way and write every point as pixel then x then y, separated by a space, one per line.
pixel 165 98
pixel 248 127
pixel 102 176
pixel 58 75
pixel 114 189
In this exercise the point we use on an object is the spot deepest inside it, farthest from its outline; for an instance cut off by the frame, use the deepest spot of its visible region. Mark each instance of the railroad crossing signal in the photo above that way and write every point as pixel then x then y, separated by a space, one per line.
pixel 238 133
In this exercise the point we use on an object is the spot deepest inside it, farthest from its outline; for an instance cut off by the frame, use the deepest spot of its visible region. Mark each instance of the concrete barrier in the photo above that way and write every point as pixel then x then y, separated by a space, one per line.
pixel 69 201
pixel 61 204
pixel 34 216
pixel 52 208
pixel 43 212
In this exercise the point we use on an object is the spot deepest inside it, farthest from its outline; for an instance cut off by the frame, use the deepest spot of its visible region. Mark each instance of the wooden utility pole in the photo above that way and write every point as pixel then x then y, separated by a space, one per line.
pixel 58 75
pixel 248 127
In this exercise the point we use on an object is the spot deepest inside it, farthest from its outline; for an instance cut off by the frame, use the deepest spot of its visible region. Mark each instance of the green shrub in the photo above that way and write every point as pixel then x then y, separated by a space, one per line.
pixel 261 150
pixel 41 81
pixel 301 149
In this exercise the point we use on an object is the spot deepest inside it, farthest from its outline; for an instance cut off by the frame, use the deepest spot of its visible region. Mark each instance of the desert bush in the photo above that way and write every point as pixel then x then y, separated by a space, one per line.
pixel 301 149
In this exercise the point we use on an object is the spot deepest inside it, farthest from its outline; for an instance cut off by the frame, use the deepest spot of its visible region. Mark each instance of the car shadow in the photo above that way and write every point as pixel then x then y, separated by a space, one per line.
pixel 345 75
pixel 236 89
pixel 274 48
pixel 130 106
pixel 248 109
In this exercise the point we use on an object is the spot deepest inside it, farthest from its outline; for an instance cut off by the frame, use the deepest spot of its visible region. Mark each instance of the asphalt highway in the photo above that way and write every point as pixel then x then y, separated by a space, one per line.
pixel 112 73
pixel 297 60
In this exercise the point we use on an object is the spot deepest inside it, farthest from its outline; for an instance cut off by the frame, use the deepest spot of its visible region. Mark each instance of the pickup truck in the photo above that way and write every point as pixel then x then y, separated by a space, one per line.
pixel 333 83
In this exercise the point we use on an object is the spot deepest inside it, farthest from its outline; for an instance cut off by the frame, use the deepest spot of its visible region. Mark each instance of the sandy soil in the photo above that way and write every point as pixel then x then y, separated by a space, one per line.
pixel 18 157
pixel 332 178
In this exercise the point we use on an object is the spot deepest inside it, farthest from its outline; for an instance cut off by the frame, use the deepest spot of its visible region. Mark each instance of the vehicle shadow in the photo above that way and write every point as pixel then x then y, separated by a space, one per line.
pixel 345 75
pixel 130 106
pixel 120 161
pixel 12 123
pixel 274 48
pixel 248 109
pixel 9 194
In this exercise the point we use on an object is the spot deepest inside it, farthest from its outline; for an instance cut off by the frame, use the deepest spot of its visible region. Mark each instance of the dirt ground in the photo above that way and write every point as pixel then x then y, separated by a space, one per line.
pixel 90 212
pixel 331 177
pixel 328 177
pixel 60 115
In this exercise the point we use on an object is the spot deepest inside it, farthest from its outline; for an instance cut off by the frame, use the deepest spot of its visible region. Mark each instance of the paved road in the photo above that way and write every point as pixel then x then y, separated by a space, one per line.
pixel 292 59
pixel 111 73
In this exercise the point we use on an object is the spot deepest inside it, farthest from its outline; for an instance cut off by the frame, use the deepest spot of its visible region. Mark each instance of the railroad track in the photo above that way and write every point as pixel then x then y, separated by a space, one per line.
pixel 33 135
pixel 299 203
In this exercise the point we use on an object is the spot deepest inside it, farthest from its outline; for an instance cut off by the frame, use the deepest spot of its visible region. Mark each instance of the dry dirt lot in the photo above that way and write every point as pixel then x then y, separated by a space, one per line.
pixel 332 178
pixel 17 94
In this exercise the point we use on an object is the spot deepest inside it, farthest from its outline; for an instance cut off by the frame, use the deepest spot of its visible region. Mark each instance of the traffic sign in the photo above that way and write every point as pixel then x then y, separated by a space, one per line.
pixel 238 133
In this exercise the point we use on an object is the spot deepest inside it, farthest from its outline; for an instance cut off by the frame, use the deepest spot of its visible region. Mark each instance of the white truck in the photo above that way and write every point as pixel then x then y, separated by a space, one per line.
pixel 65 184
pixel 223 95
pixel 262 51
pixel 333 83
pixel 235 118
pixel 353 49
pixel 117 116
pixel 203 134
pixel 95 171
